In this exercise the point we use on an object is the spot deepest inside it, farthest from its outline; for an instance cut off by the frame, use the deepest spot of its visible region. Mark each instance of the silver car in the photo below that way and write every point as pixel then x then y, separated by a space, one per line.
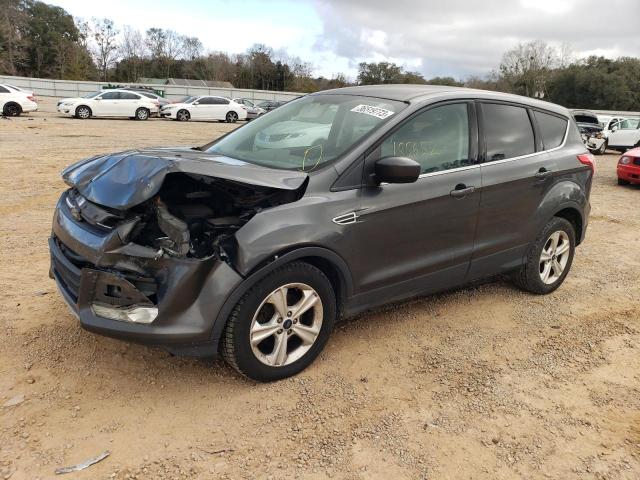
pixel 253 111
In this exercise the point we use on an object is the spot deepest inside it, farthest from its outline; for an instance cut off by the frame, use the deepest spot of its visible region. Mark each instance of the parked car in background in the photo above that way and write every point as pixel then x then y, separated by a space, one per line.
pixel 253 111
pixel 149 94
pixel 625 135
pixel 109 103
pixel 13 101
pixel 607 122
pixel 269 105
pixel 205 107
pixel 591 131
pixel 629 167
pixel 256 253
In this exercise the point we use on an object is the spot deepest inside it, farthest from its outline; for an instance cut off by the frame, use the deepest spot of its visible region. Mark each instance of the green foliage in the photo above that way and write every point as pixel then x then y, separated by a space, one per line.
pixel 40 40
pixel 598 83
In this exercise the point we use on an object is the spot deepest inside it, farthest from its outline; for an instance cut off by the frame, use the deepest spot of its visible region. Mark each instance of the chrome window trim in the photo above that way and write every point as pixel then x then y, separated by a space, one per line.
pixel 496 162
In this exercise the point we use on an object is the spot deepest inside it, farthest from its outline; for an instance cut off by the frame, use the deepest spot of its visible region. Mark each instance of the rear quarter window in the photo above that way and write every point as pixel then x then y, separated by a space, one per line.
pixel 508 131
pixel 552 128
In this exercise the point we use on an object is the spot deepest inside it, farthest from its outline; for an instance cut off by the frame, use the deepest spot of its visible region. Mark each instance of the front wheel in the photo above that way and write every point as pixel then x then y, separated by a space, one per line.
pixel 232 117
pixel 602 149
pixel 623 182
pixel 549 258
pixel 142 114
pixel 183 116
pixel 83 112
pixel 281 325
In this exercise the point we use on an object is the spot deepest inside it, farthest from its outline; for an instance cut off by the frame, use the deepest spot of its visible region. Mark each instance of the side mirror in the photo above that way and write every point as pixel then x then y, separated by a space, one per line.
pixel 397 170
pixel 196 103
pixel 99 98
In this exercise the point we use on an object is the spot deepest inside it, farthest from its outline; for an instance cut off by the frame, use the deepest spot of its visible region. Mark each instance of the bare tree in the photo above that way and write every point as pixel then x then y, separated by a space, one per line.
pixel 132 50
pixel 528 66
pixel 191 48
pixel 155 40
pixel 105 37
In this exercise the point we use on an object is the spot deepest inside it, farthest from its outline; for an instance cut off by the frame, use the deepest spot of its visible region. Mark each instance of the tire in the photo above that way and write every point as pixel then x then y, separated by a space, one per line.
pixel 142 114
pixel 12 109
pixel 183 116
pixel 232 117
pixel 623 182
pixel 256 315
pixel 83 112
pixel 602 149
pixel 530 277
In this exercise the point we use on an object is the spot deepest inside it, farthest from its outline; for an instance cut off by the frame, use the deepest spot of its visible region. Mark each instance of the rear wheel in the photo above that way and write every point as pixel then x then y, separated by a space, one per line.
pixel 549 258
pixel 281 325
pixel 232 117
pixel 142 114
pixel 83 112
pixel 12 109
pixel 183 116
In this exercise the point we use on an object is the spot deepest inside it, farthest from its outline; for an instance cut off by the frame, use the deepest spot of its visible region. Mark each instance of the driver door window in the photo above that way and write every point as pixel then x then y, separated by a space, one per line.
pixel 438 139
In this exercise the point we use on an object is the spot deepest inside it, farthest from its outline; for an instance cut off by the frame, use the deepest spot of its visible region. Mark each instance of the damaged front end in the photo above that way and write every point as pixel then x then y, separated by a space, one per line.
pixel 143 244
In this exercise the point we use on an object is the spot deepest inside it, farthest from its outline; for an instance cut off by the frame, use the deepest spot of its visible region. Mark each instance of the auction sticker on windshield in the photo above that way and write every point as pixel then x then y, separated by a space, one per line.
pixel 381 113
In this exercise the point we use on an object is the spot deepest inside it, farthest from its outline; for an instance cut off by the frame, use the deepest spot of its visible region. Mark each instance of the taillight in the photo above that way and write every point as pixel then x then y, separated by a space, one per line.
pixel 588 160
pixel 32 98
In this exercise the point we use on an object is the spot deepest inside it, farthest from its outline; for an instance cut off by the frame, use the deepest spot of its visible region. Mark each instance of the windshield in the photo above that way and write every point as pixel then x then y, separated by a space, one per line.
pixel 307 133
pixel 92 94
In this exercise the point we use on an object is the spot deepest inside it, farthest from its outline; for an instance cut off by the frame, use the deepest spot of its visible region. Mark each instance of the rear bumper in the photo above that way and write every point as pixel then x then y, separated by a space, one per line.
pixel 188 293
pixel 630 173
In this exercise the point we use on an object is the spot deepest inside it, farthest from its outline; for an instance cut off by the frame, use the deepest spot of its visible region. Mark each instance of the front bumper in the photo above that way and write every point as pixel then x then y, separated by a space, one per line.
pixel 91 269
pixel 630 173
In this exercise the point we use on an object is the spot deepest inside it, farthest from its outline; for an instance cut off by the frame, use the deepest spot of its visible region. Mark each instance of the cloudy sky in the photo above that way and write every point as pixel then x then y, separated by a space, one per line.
pixel 449 38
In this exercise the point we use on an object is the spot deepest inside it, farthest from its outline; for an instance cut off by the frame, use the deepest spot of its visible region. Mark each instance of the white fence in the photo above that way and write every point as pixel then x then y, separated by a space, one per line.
pixel 71 88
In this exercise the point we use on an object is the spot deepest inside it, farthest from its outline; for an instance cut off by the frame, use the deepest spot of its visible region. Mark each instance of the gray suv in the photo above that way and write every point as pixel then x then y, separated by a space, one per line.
pixel 255 244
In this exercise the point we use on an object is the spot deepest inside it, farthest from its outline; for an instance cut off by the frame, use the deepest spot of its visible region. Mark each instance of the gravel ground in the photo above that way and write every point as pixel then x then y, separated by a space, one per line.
pixel 485 382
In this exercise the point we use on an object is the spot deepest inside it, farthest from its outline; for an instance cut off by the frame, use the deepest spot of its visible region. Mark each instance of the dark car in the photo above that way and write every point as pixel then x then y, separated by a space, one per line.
pixel 383 193
pixel 591 131
pixel 269 105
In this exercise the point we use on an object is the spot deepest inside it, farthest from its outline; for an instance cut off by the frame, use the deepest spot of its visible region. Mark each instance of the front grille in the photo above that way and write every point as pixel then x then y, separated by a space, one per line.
pixel 66 272
pixel 636 161
pixel 278 137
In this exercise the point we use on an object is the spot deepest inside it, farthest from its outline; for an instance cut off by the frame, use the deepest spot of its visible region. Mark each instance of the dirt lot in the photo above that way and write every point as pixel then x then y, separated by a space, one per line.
pixel 486 382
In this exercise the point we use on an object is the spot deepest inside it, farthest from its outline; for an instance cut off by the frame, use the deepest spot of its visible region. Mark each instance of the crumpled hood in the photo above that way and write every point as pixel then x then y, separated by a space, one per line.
pixel 123 180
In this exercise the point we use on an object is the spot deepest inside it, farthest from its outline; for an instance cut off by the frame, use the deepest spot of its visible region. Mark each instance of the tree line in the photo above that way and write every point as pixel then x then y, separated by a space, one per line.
pixel 41 40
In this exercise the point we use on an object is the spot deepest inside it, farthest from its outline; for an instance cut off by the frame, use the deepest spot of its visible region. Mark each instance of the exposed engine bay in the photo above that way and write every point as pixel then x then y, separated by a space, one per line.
pixel 191 216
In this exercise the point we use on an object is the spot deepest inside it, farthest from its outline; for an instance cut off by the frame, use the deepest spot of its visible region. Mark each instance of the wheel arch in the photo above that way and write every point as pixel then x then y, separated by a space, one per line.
pixel 574 216
pixel 327 261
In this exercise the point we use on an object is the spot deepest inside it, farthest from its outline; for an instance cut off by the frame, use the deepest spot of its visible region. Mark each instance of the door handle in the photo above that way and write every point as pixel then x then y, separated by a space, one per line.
pixel 543 173
pixel 462 190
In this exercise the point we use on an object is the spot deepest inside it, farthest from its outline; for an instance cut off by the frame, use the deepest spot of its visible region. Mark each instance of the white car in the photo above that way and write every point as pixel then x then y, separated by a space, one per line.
pixel 253 111
pixel 624 135
pixel 205 107
pixel 109 103
pixel 608 122
pixel 13 101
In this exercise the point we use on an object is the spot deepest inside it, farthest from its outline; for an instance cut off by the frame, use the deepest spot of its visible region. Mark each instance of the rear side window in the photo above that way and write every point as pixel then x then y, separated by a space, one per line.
pixel 508 131
pixel 551 128
pixel 128 96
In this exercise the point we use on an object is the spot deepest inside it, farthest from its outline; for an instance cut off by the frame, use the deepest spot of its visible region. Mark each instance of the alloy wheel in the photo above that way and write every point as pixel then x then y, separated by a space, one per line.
pixel 286 324
pixel 554 257
pixel 83 112
pixel 232 117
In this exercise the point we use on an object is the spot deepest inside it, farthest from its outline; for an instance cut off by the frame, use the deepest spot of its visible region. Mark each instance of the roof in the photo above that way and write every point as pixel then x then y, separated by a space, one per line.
pixel 186 82
pixel 419 93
